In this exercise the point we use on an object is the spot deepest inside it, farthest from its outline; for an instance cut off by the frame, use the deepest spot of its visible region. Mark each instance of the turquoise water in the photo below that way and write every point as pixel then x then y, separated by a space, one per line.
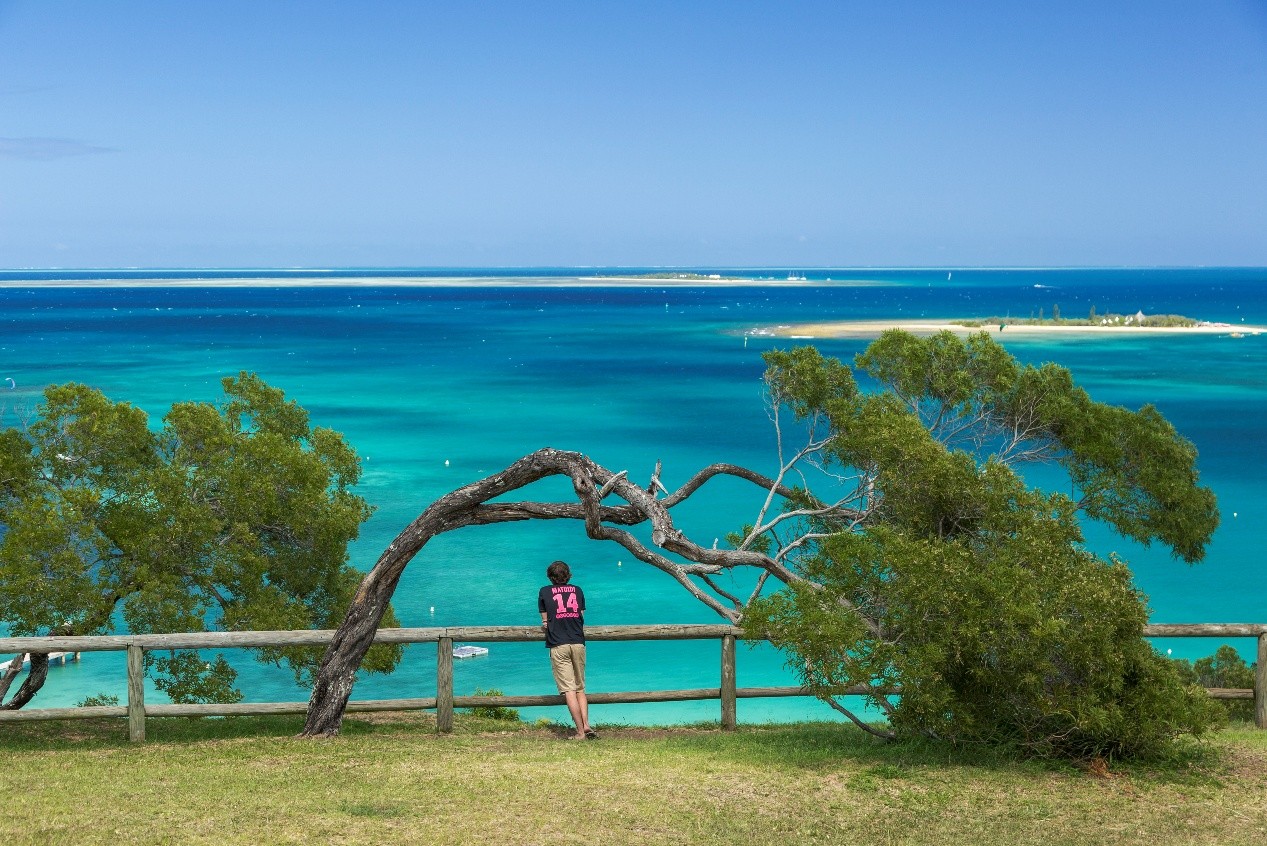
pixel 439 385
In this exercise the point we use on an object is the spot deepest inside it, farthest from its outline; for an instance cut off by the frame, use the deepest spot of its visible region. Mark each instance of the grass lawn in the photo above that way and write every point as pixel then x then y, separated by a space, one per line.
pixel 392 780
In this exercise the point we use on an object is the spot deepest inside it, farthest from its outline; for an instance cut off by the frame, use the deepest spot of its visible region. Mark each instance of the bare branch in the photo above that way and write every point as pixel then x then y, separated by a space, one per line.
pixel 611 483
pixel 869 729
pixel 720 591
pixel 756 591
pixel 473 505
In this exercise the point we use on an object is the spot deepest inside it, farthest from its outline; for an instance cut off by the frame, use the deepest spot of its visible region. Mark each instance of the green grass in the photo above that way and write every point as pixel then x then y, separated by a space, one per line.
pixel 393 780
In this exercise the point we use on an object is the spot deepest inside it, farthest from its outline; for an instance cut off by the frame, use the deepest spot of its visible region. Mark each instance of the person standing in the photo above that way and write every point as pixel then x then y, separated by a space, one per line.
pixel 562 608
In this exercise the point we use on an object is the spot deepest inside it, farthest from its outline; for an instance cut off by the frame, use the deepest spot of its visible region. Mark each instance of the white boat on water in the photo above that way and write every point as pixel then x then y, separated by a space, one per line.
pixel 469 651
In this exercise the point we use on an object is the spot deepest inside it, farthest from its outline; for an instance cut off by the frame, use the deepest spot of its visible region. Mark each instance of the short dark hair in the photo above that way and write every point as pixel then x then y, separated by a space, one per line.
pixel 558 573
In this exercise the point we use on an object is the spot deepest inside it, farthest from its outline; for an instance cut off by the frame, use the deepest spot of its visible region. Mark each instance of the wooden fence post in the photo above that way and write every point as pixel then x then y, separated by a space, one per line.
pixel 1260 684
pixel 136 693
pixel 444 684
pixel 728 717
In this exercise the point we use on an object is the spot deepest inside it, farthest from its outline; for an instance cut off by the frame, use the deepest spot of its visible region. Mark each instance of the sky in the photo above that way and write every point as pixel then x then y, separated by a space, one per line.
pixel 779 134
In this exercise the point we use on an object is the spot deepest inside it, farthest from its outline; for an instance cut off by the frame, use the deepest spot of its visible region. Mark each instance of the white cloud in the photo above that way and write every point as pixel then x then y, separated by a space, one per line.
pixel 47 149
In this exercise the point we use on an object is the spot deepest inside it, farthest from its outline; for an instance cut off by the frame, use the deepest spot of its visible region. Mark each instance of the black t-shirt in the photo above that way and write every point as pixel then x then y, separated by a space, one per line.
pixel 564 607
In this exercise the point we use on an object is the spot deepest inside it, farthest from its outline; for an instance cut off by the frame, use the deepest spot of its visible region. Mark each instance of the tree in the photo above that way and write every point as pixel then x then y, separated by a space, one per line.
pixel 963 586
pixel 233 516
pixel 1226 669
pixel 912 558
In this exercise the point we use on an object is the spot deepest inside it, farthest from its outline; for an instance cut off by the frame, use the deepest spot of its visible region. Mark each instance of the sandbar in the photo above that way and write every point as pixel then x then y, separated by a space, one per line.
pixel 872 328
pixel 307 278
pixel 306 281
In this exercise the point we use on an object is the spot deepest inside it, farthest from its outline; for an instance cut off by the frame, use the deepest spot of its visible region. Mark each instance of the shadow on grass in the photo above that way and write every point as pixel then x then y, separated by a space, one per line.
pixel 113 732
pixel 813 746
pixel 809 746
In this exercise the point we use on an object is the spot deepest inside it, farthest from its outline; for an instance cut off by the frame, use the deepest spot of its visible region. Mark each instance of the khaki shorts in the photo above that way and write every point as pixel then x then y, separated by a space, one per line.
pixel 568 663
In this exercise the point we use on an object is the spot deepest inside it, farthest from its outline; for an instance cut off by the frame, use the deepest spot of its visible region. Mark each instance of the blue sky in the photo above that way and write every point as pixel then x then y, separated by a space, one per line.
pixel 271 134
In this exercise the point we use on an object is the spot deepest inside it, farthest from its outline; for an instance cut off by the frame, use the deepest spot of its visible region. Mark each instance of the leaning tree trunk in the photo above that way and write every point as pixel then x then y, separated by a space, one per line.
pixel 469 506
pixel 34 681
pixel 10 673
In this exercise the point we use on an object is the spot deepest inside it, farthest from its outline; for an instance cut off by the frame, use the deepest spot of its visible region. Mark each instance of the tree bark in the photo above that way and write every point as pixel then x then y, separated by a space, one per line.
pixel 34 681
pixel 10 673
pixel 469 506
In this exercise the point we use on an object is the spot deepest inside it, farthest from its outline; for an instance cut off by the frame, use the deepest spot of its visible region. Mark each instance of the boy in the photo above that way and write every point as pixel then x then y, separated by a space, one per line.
pixel 562 608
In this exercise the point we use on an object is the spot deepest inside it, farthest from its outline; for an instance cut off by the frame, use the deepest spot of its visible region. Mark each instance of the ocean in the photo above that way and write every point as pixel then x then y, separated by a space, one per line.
pixel 441 376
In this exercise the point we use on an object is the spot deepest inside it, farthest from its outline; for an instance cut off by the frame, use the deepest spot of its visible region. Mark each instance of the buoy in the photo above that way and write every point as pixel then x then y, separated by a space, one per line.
pixel 1233 513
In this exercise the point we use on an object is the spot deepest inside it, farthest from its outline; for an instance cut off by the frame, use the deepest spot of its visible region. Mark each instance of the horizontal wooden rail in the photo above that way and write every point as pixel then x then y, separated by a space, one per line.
pixel 425 703
pixel 445 701
pixel 483 634
pixel 1205 629
pixel 322 637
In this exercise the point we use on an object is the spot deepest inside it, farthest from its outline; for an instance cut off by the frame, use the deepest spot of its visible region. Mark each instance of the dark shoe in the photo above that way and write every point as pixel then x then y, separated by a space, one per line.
pixel 590 734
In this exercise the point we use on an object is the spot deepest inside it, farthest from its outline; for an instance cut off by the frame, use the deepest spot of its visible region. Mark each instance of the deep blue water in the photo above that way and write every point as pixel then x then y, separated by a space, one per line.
pixel 478 376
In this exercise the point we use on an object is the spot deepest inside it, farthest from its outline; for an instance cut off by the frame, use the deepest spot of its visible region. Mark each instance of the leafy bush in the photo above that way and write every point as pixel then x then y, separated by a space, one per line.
pixel 98 699
pixel 494 712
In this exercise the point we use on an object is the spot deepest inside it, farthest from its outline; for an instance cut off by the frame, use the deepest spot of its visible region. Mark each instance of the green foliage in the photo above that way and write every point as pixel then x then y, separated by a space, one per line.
pixel 494 712
pixel 1149 321
pixel 98 699
pixel 955 581
pixel 1225 668
pixel 185 677
pixel 232 516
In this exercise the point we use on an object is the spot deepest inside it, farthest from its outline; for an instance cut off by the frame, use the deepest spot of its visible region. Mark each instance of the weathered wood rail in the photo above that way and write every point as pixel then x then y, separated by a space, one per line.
pixel 445 701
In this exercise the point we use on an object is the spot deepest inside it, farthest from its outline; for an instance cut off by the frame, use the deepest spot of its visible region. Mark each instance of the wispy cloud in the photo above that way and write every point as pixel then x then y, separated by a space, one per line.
pixel 19 90
pixel 47 149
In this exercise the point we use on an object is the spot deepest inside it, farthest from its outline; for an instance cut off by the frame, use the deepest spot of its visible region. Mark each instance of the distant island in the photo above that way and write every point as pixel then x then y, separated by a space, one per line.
pixel 1137 320
pixel 1093 324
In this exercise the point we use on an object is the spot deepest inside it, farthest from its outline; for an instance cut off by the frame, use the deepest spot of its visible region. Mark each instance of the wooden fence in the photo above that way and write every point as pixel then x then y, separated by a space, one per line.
pixel 445 701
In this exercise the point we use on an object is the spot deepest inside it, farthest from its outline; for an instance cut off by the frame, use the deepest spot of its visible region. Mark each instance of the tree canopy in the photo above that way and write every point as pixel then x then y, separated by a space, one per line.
pixel 946 575
pixel 234 515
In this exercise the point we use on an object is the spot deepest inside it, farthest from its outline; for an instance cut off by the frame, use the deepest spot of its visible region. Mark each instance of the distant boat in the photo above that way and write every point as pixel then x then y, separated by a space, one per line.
pixel 792 277
pixel 469 651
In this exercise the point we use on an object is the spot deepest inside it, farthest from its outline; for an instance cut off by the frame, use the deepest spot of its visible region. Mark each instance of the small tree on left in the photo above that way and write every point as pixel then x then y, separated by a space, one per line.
pixel 235 515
